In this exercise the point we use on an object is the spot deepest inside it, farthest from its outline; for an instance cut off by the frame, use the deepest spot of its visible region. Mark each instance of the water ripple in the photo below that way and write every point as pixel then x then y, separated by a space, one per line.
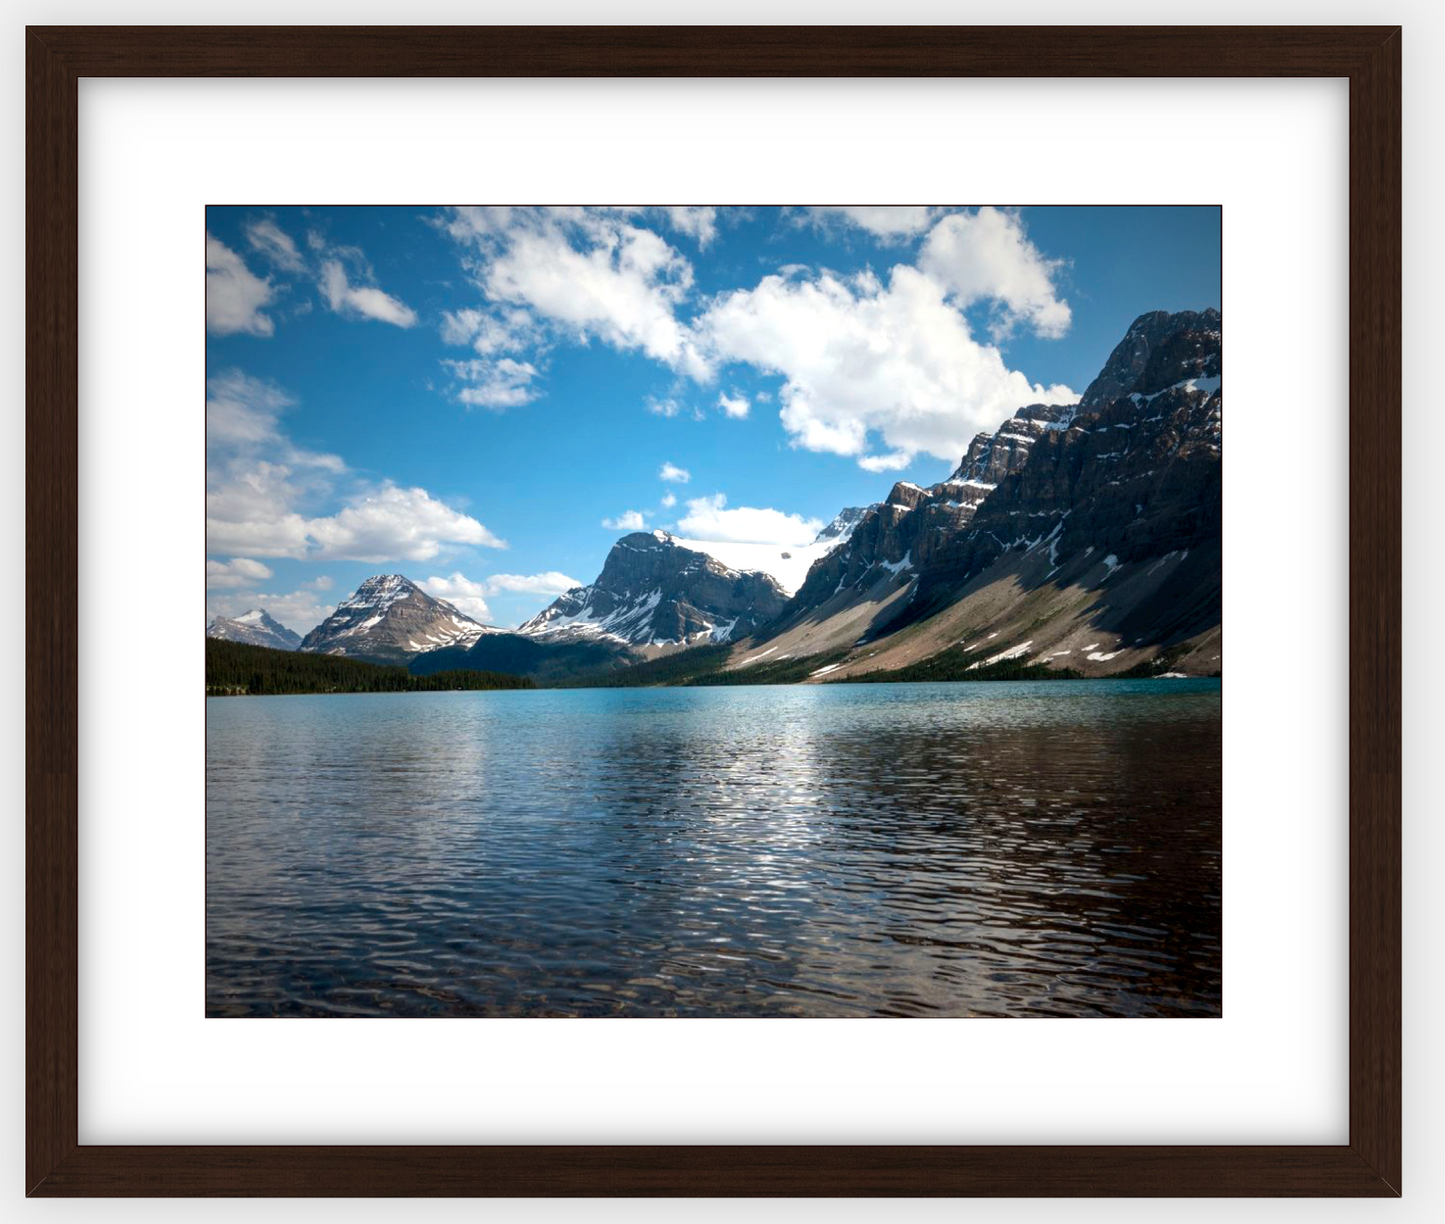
pixel 953 850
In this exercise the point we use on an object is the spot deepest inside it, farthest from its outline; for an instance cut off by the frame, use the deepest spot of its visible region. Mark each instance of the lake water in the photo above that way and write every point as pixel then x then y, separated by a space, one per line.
pixel 1030 849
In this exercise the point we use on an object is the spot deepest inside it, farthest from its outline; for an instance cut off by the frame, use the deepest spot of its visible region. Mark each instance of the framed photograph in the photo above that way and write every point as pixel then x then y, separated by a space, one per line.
pixel 789 626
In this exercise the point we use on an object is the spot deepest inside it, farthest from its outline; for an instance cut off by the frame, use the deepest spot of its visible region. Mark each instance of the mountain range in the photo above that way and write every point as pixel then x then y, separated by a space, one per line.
pixel 1084 537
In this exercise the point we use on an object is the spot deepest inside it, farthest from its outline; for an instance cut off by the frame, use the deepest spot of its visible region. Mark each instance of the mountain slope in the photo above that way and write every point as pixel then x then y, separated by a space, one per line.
pixel 255 628
pixel 1086 536
pixel 389 619
pixel 655 591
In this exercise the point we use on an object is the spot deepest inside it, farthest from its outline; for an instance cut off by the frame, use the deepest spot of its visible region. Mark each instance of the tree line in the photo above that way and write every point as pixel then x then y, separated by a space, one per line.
pixel 236 668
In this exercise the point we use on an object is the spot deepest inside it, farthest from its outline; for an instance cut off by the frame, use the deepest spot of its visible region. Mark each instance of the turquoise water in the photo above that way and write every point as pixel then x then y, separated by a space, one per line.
pixel 840 850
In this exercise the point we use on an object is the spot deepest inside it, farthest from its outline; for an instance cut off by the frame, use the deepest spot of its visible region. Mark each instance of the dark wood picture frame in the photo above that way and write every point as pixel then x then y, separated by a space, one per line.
pixel 56 1164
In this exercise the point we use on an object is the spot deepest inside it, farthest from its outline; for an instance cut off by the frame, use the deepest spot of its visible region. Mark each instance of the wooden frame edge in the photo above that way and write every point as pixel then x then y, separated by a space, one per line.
pixel 57 1166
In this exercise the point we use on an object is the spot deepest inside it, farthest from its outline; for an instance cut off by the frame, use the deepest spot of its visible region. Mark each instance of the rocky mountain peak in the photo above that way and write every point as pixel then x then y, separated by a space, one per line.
pixel 991 457
pixel 380 591
pixel 1158 350
pixel 906 495
pixel 655 591
pixel 389 619
pixel 255 627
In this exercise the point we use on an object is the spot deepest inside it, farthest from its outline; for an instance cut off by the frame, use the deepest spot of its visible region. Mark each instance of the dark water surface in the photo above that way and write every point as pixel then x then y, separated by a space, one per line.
pixel 843 850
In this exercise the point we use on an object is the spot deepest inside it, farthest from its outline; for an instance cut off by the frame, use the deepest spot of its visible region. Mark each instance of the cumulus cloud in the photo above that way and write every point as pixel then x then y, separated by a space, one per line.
pixel 462 593
pixel 274 243
pixel 499 384
pixel 255 510
pixel 889 222
pixel 671 472
pixel 876 368
pixel 391 523
pixel 710 519
pixel 234 295
pixel 362 300
pixel 628 520
pixel 736 406
pixel 591 274
pixel 860 355
pixel 669 500
pixel 266 497
pixel 238 572
pixel 987 256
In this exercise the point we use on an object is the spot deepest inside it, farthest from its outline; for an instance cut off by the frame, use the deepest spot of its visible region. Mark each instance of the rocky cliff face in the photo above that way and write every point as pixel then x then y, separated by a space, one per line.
pixel 1133 473
pixel 389 619
pixel 1055 511
pixel 653 591
pixel 256 628
pixel 891 543
pixel 1158 349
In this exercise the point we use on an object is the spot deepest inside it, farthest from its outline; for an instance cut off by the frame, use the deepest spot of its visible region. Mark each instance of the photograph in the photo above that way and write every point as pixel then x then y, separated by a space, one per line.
pixel 713 611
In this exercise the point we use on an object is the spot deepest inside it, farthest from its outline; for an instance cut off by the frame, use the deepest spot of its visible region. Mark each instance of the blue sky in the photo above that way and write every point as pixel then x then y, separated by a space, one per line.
pixel 485 399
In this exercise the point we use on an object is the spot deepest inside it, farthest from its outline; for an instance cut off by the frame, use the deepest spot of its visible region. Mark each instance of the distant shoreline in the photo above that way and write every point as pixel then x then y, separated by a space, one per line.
pixel 577 688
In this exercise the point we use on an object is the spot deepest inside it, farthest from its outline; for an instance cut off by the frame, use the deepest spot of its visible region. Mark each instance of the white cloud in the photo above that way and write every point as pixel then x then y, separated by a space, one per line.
pixel 462 593
pixel 709 519
pixel 987 255
pixel 628 520
pixel 669 500
pixel 274 243
pixel 876 368
pixel 671 472
pixel 890 222
pixel 266 497
pixel 549 583
pixel 243 415
pixel 860 356
pixel 391 523
pixel 893 461
pixel 736 406
pixel 506 330
pixel 500 384
pixel 241 410
pixel 367 301
pixel 238 572
pixel 234 296
pixel 698 222
pixel 590 273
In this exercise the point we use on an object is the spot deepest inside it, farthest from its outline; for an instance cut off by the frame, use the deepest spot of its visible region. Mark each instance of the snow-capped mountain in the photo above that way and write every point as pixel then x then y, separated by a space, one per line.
pixel 390 619
pixel 256 628
pixel 1098 521
pixel 655 590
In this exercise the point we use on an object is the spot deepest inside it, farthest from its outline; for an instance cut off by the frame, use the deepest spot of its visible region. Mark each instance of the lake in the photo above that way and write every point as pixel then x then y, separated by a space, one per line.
pixel 988 849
